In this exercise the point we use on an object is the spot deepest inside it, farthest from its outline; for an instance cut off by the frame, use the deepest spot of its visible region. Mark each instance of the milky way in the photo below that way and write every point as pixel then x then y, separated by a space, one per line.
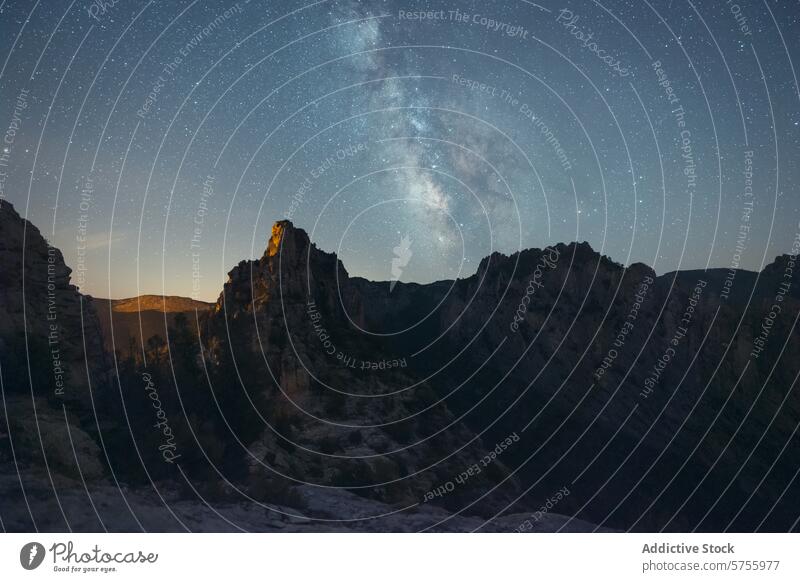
pixel 156 143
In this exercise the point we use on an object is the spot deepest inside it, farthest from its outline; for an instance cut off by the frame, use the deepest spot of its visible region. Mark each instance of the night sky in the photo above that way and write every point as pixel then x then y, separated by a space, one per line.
pixel 156 143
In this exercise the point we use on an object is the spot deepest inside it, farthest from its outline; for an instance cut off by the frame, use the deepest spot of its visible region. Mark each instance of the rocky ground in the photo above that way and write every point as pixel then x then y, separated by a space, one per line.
pixel 101 506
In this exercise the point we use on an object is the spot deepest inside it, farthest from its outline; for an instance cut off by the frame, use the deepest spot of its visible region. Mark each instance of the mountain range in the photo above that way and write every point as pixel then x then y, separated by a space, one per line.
pixel 554 389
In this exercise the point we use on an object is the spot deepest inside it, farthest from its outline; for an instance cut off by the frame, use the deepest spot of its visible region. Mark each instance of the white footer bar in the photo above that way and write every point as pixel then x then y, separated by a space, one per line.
pixel 401 557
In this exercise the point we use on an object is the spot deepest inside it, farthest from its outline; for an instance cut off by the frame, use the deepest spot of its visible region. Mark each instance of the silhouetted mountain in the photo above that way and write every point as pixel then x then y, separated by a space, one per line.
pixel 655 402
pixel 44 315
pixel 298 359
pixel 52 362
pixel 600 354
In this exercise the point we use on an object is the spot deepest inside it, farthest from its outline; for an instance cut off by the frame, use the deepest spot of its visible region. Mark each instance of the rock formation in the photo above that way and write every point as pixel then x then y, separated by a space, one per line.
pixel 657 401
pixel 52 361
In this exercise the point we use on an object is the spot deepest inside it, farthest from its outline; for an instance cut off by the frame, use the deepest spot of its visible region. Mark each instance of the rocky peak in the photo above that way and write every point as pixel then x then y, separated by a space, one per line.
pixel 289 268
pixel 287 240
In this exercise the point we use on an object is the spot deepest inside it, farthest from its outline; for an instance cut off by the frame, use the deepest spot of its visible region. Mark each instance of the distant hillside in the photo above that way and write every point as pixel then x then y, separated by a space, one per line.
pixel 746 287
pixel 169 304
pixel 142 317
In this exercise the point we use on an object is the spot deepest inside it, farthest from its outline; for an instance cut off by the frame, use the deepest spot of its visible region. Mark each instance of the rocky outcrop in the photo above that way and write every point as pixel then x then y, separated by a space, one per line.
pixel 47 323
pixel 337 408
pixel 53 363
pixel 45 436
pixel 670 370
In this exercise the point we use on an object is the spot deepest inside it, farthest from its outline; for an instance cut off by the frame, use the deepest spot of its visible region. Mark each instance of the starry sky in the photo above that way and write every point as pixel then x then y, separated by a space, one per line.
pixel 156 143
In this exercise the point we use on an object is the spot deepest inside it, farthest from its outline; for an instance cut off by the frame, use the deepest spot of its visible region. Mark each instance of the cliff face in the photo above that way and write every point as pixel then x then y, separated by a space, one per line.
pixel 672 400
pixel 336 406
pixel 43 311
pixel 52 360
pixel 562 346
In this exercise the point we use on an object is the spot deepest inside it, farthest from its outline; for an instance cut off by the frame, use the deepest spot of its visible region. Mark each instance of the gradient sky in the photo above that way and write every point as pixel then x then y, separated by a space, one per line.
pixel 503 127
